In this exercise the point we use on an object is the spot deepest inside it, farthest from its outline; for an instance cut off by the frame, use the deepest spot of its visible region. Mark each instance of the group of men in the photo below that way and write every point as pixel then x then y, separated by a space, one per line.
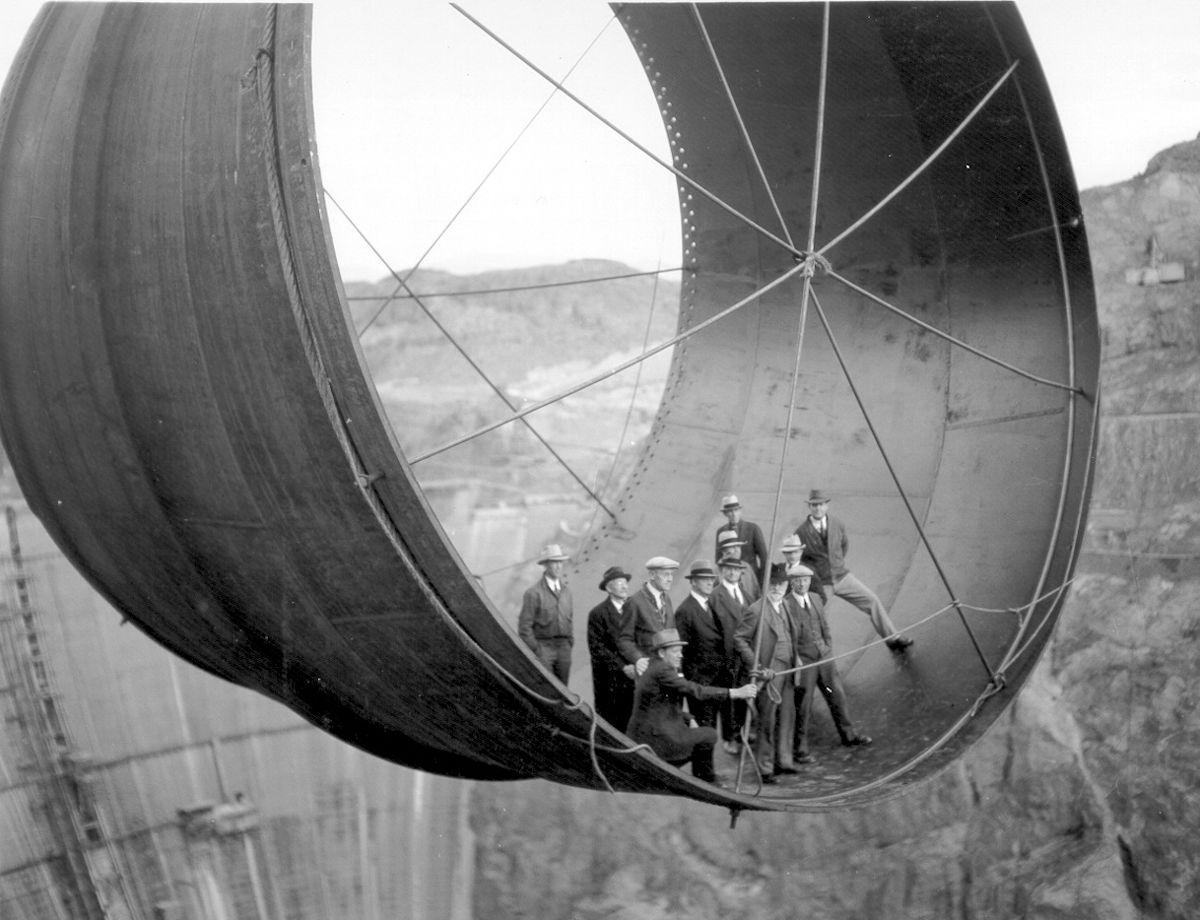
pixel 748 630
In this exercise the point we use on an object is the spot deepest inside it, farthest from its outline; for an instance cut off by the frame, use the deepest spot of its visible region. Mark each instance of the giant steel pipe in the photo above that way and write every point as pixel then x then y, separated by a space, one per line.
pixel 184 402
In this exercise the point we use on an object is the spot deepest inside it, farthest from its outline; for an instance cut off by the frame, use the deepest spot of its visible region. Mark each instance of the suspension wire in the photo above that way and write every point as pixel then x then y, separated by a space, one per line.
pixel 807 266
pixel 899 487
pixel 495 388
pixel 712 51
pixel 719 202
pixel 612 372
pixel 426 295
pixel 486 176
pixel 637 381
pixel 924 165
pixel 951 339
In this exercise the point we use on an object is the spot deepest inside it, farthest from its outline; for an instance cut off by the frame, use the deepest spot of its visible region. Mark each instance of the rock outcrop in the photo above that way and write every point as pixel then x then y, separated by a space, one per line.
pixel 1079 804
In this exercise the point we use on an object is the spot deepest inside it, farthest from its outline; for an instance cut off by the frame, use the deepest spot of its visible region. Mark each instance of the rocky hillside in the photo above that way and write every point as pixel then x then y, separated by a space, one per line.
pixel 1080 803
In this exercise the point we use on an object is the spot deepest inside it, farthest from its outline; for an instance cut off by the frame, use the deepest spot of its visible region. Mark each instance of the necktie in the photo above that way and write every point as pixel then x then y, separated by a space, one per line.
pixel 737 593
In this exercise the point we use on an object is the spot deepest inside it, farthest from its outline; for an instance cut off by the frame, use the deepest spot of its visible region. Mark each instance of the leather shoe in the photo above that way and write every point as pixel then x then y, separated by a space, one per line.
pixel 857 740
pixel 769 779
pixel 898 643
pixel 786 769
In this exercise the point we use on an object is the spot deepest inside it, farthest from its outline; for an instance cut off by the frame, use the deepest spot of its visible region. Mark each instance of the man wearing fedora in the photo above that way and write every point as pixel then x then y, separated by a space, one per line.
pixel 766 639
pixel 754 552
pixel 648 611
pixel 825 547
pixel 547 616
pixel 815 645
pixel 658 718
pixel 612 676
pixel 791 550
pixel 729 601
pixel 729 544
pixel 709 655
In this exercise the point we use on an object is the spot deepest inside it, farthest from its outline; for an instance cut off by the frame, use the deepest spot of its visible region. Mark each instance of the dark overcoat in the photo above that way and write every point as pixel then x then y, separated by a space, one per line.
pixel 709 656
pixel 825 555
pixel 658 718
pixel 613 690
pixel 640 621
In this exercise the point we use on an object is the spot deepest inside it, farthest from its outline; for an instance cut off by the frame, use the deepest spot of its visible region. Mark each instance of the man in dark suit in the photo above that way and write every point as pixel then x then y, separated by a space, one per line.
pixel 612 676
pixel 754 551
pixel 815 644
pixel 728 601
pixel 647 611
pixel 731 545
pixel 825 547
pixel 545 623
pixel 709 655
pixel 658 717
pixel 762 656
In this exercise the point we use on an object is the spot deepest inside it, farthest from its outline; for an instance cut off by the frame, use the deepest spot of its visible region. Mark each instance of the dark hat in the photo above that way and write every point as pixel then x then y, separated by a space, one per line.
pixel 778 574
pixel 701 569
pixel 611 573
pixel 731 561
pixel 817 495
pixel 729 502
pixel 665 638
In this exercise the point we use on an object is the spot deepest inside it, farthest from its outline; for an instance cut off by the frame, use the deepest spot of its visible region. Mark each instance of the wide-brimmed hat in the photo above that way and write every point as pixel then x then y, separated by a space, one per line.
pixel 661 562
pixel 701 569
pixel 796 570
pixel 552 553
pixel 729 502
pixel 817 495
pixel 729 538
pixel 611 573
pixel 793 544
pixel 730 562
pixel 665 638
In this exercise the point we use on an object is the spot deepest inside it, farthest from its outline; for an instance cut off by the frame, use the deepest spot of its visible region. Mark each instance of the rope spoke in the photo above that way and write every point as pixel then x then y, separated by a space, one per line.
pixel 712 51
pixel 951 339
pixel 808 266
pixel 624 365
pixel 899 487
pixel 486 176
pixel 979 106
pixel 428 295
pixel 728 208
pixel 495 388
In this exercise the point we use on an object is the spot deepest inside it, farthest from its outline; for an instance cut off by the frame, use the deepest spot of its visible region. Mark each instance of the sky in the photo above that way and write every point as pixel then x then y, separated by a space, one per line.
pixel 415 105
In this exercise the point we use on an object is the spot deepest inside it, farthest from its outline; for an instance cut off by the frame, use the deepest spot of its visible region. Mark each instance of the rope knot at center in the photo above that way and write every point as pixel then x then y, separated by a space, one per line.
pixel 811 262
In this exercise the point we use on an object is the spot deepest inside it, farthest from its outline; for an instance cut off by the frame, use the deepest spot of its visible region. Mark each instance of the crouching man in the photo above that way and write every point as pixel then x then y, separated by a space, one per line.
pixel 658 718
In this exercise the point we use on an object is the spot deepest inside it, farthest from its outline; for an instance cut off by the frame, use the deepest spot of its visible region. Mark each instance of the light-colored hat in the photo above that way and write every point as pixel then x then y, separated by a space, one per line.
pixel 729 502
pixel 729 538
pixel 701 569
pixel 661 562
pixel 730 562
pixel 792 544
pixel 665 638
pixel 817 495
pixel 796 570
pixel 552 553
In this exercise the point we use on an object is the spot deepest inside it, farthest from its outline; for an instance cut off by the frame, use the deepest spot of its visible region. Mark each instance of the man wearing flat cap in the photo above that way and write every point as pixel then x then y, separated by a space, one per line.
pixel 612 676
pixel 709 655
pixel 546 620
pixel 648 611
pixel 825 548
pixel 814 645
pixel 658 718
pixel 754 552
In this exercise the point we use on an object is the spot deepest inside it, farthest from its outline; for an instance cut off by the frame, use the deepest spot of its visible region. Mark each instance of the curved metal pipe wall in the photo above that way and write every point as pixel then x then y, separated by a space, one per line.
pixel 187 410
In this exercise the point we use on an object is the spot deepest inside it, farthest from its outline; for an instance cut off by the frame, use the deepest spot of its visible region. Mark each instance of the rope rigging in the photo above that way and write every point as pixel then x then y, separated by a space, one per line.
pixel 427 295
pixel 495 388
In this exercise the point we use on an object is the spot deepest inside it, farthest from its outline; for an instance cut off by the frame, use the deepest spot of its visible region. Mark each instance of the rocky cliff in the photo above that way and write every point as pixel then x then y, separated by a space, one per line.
pixel 1080 803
